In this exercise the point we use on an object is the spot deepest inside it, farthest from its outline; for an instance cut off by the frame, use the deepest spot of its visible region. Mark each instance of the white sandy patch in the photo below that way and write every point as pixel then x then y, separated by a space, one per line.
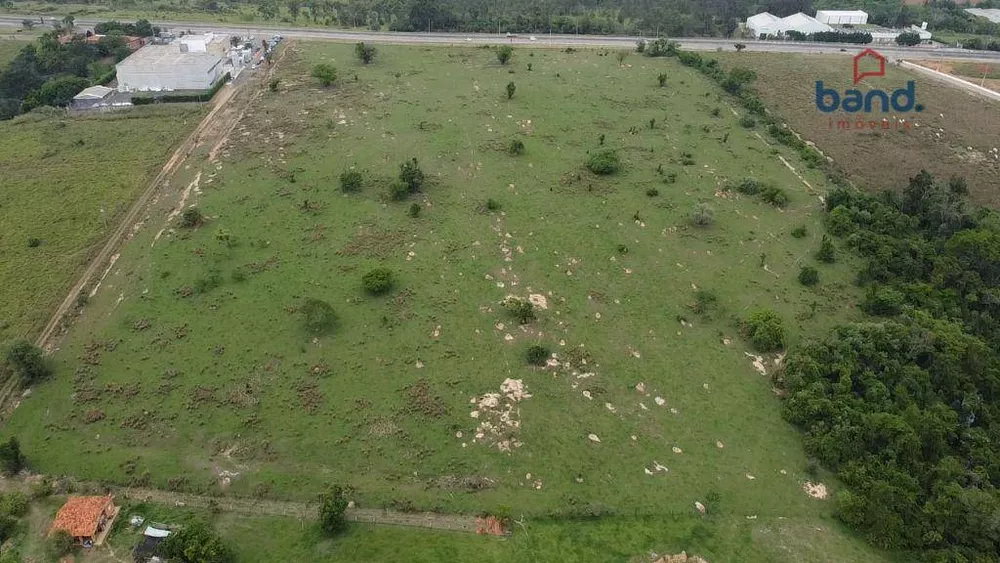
pixel 594 438
pixel 538 300
pixel 815 490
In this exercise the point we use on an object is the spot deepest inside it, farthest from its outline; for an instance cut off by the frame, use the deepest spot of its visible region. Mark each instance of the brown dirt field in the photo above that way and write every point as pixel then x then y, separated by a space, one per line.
pixel 940 140
pixel 967 71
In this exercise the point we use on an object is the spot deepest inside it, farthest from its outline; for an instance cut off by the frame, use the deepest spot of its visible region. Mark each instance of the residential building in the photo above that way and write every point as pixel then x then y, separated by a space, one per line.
pixel 87 519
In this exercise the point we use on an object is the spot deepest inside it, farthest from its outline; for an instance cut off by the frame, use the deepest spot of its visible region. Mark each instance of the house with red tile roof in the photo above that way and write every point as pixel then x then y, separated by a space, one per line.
pixel 87 519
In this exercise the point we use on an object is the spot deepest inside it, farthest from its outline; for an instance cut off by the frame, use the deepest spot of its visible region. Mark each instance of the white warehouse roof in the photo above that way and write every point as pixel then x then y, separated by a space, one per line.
pixel 991 14
pixel 93 93
pixel 165 67
pixel 765 23
pixel 840 17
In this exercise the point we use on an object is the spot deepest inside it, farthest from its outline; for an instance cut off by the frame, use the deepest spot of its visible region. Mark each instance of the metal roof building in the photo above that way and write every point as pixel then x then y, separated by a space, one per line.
pixel 768 24
pixel 842 17
pixel 155 68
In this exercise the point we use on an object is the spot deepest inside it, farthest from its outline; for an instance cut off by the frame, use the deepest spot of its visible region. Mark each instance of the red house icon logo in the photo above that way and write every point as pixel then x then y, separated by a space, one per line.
pixel 868 54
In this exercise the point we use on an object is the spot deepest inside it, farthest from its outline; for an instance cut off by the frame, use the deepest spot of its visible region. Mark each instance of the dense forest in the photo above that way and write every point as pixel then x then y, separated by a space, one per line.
pixel 905 407
pixel 674 18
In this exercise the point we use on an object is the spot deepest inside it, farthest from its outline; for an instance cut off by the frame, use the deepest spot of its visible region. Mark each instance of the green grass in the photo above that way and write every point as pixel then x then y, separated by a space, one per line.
pixel 59 174
pixel 229 379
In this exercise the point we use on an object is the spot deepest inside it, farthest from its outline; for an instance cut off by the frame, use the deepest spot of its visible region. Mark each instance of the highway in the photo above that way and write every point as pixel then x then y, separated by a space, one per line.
pixel 544 40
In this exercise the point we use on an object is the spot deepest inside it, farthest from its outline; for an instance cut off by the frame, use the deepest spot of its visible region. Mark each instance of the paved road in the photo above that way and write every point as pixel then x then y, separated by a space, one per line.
pixel 618 42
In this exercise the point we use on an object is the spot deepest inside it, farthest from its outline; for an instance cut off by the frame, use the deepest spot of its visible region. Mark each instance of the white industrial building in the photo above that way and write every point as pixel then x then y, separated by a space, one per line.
pixel 156 68
pixel 991 14
pixel 842 17
pixel 769 24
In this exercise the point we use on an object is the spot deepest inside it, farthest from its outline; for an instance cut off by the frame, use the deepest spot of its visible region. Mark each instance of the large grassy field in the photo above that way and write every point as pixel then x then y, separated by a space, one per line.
pixel 192 367
pixel 67 180
pixel 954 136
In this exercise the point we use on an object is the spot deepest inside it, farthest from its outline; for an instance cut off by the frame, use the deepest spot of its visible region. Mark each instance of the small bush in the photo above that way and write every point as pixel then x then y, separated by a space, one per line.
pixel 705 302
pixel 378 281
pixel 702 215
pixel 34 242
pixel 58 544
pixel 365 52
pixel 640 46
pixel 604 162
pixel 522 311
pixel 537 355
pixel 27 362
pixel 319 316
pixel 238 275
pixel 808 276
pixel 661 79
pixel 748 122
pixel 411 175
pixel 652 192
pixel 414 210
pixel 398 190
pixel 11 458
pixel 765 331
pixel 191 217
pixel 515 147
pixel 775 196
pixel 529 65
pixel 273 84
pixel 748 186
pixel 800 232
pixel 325 74
pixel 827 252
pixel 511 88
pixel 13 504
pixel 492 205
pixel 332 508
pixel 350 181
pixel 716 112
pixel 669 177
pixel 600 139
pixel 504 54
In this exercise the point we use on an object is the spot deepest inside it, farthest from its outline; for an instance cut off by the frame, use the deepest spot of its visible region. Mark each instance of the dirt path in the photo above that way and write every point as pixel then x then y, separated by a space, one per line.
pixel 255 507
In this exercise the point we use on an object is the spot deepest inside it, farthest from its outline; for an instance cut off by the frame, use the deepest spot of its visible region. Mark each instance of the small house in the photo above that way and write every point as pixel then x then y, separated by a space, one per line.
pixel 87 519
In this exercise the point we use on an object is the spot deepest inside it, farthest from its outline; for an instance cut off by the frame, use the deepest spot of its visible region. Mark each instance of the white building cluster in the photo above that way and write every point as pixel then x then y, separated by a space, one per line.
pixel 769 26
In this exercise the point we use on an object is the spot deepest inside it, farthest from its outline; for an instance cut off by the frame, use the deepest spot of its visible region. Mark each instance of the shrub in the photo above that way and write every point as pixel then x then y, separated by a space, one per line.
pixel 748 186
pixel 225 237
pixel 808 276
pixel 13 504
pixel 882 301
pixel 398 190
pixel 908 38
pixel 739 46
pixel 621 56
pixel 324 73
pixel 827 252
pixel 332 508
pixel 504 53
pixel 26 360
pixel 8 526
pixel 716 112
pixel 511 88
pixel 523 311
pixel 11 458
pixel 775 196
pixel 640 45
pixel 529 67
pixel 191 217
pixel 411 175
pixel 764 330
pixel 196 543
pixel 537 355
pixel 748 122
pixel 492 205
pixel 661 79
pixel 414 210
pixel 652 192
pixel 34 242
pixel 604 162
pixel 60 543
pixel 350 181
pixel 799 232
pixel 702 215
pixel 273 84
pixel 515 147
pixel 704 302
pixel 238 275
pixel 319 316
pixel 364 52
pixel 208 283
pixel 378 281
pixel 600 139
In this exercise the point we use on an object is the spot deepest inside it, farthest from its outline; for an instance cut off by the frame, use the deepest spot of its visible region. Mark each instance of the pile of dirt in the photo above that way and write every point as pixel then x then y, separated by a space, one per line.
pixel 681 557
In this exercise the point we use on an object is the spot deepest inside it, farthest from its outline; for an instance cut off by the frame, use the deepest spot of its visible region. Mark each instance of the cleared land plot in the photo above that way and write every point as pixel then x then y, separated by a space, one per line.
pixel 66 181
pixel 954 136
pixel 192 369
pixel 983 74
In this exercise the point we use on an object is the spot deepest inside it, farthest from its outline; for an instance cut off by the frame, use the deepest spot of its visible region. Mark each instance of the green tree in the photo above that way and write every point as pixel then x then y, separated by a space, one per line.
pixel 908 38
pixel 59 544
pixel 326 74
pixel 604 162
pixel 808 276
pixel 365 52
pixel 67 24
pixel 332 509
pixel 196 542
pixel 411 175
pixel 191 217
pixel 378 281
pixel 827 252
pixel 57 92
pixel 27 362
pixel 702 215
pixel 504 53
pixel 11 458
pixel 511 88
pixel 350 181
pixel 764 330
